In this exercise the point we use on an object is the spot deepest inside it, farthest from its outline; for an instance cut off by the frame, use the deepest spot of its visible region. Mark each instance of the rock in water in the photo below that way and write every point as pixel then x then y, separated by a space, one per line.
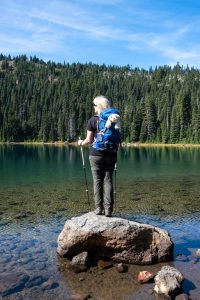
pixel 11 283
pixel 104 264
pixel 122 268
pixel 168 282
pixel 115 238
pixel 198 252
pixel 145 276
pixel 80 262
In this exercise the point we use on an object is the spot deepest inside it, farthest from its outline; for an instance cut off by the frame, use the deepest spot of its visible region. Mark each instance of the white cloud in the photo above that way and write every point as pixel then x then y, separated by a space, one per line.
pixel 190 57
pixel 36 43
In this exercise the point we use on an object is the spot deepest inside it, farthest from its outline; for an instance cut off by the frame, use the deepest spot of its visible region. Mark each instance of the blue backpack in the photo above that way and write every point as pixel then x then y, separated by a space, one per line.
pixel 107 138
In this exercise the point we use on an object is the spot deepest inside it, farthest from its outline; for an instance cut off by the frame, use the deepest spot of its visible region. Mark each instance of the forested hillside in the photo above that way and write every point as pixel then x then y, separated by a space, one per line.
pixel 51 101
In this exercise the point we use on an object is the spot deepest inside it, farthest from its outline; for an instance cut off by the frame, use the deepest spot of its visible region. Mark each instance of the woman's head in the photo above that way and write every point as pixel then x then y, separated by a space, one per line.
pixel 100 103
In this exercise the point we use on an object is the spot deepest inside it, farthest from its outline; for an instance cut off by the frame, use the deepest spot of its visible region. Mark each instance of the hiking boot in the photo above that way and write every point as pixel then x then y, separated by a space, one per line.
pixel 99 211
pixel 108 213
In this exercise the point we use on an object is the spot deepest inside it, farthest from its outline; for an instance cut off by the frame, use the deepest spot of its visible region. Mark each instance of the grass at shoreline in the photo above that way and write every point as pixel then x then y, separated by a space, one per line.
pixel 133 144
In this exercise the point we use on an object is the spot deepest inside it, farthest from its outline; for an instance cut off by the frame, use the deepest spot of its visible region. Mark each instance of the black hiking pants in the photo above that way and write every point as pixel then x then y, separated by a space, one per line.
pixel 102 168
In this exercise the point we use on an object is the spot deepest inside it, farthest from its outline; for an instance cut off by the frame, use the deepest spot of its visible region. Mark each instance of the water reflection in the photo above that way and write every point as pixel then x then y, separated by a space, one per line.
pixel 159 161
pixel 28 164
pixel 42 163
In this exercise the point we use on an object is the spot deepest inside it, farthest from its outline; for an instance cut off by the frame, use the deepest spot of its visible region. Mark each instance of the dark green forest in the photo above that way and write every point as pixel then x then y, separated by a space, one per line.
pixel 48 101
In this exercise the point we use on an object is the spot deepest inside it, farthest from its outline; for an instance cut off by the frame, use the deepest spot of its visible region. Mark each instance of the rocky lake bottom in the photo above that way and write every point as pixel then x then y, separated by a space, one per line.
pixel 33 215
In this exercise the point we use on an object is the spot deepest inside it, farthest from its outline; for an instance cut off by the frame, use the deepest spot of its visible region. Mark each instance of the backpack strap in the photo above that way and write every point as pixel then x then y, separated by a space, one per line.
pixel 98 121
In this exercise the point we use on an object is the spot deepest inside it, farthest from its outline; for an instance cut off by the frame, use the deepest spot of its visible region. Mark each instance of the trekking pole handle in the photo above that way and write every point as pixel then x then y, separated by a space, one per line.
pixel 83 160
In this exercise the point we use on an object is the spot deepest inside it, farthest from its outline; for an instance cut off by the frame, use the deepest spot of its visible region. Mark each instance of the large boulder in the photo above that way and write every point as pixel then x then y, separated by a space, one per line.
pixel 118 239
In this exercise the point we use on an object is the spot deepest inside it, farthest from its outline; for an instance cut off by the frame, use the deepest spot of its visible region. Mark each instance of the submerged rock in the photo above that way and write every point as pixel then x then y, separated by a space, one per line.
pixel 104 264
pixel 80 262
pixel 145 276
pixel 80 297
pixel 35 281
pixel 122 268
pixel 118 239
pixel 11 283
pixel 168 282
pixel 198 252
pixel 182 297
pixel 182 257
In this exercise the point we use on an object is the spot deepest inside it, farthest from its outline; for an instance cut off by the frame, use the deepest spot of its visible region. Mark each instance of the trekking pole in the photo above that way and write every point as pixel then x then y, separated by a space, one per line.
pixel 115 187
pixel 86 184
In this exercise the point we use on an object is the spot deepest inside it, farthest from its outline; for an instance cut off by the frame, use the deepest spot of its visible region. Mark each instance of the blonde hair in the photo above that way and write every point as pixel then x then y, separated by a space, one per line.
pixel 102 102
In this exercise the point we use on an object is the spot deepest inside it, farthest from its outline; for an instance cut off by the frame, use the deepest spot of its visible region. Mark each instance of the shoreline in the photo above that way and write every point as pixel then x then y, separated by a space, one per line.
pixel 133 144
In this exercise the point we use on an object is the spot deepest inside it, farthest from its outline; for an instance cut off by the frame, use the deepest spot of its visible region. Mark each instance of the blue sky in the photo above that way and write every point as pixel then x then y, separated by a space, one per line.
pixel 141 33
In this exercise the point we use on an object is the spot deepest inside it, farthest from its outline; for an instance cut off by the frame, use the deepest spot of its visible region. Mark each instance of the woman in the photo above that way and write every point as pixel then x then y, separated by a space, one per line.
pixel 102 163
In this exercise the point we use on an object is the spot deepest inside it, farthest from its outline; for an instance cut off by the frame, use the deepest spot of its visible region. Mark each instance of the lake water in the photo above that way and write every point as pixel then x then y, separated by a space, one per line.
pixel 43 186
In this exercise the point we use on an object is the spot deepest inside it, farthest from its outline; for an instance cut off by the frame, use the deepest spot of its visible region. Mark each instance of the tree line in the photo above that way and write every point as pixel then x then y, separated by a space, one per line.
pixel 48 101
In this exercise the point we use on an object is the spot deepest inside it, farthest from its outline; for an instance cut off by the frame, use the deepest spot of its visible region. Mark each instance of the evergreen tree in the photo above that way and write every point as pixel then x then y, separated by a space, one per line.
pixel 52 101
